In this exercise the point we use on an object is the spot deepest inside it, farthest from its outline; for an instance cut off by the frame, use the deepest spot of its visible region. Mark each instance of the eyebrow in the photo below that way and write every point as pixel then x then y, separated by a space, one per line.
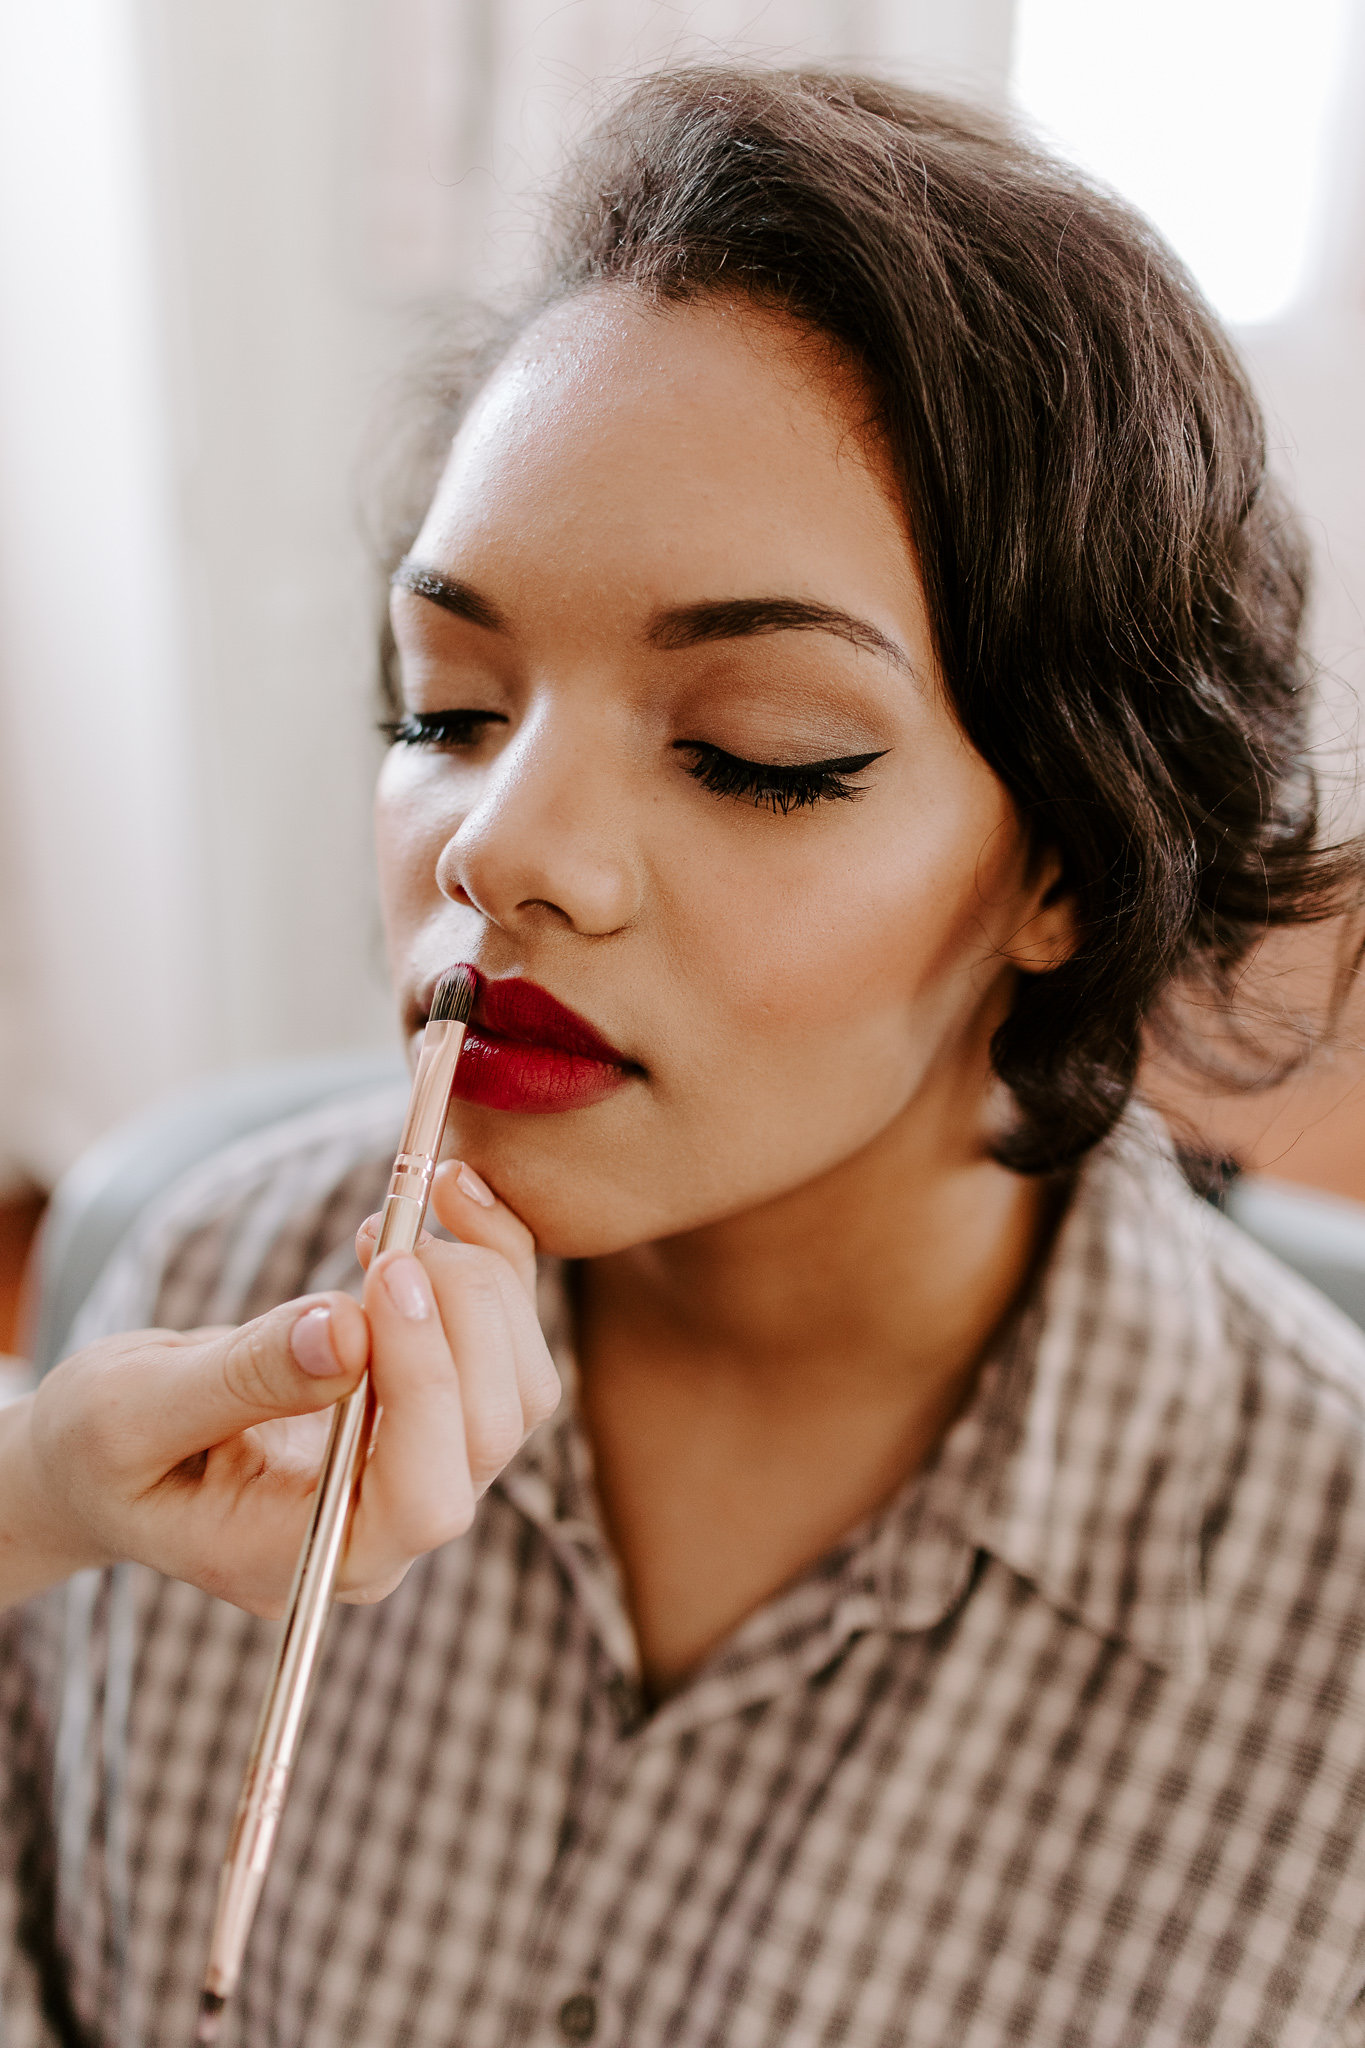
pixel 452 596
pixel 688 625
pixel 743 618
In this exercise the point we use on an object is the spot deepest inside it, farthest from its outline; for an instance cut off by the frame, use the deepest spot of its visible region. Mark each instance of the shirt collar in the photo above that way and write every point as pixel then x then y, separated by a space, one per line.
pixel 1097 1426
pixel 1080 1461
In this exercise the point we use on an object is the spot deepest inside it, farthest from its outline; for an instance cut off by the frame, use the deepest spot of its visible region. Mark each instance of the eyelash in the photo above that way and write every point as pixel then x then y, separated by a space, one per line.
pixel 439 728
pixel 768 785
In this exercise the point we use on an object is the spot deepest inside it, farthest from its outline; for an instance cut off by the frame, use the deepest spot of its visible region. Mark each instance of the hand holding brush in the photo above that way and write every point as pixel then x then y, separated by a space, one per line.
pixel 196 1452
pixel 474 1325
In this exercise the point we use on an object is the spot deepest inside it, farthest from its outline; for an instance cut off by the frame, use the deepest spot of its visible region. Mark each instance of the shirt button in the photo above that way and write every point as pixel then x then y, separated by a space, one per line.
pixel 578 2017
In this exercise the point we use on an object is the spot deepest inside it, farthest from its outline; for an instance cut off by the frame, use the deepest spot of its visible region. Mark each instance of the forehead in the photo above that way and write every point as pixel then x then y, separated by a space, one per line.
pixel 714 444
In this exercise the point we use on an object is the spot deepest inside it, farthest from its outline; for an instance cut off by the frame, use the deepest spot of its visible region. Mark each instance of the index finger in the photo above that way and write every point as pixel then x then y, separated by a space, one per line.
pixel 468 1208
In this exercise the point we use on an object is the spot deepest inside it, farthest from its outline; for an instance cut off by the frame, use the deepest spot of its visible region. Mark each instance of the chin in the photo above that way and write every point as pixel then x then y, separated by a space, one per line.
pixel 589 1222
pixel 560 1174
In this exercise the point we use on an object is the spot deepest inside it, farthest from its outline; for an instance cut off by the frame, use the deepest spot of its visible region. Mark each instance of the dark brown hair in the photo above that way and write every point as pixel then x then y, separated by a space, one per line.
pixel 1116 587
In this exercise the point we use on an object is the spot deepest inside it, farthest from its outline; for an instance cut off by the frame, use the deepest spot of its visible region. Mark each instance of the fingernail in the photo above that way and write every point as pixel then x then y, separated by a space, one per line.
pixel 310 1340
pixel 407 1288
pixel 370 1228
pixel 468 1182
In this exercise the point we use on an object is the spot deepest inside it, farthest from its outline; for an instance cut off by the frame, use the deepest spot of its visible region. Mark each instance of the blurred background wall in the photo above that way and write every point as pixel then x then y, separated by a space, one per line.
pixel 222 222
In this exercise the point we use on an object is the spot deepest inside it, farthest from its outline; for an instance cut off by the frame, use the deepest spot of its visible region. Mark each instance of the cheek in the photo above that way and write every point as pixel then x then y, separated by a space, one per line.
pixel 410 832
pixel 822 980
pixel 876 937
pixel 411 827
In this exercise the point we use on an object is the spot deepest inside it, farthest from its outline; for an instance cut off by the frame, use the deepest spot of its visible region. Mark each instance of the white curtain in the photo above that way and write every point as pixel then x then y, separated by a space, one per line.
pixel 217 224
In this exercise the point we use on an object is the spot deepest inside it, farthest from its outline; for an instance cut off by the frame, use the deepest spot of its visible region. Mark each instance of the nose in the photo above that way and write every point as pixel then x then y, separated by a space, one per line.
pixel 548 839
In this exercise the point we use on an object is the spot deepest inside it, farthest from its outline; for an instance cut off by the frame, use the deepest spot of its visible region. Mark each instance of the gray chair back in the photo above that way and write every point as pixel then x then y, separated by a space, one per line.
pixel 1320 1236
pixel 98 1201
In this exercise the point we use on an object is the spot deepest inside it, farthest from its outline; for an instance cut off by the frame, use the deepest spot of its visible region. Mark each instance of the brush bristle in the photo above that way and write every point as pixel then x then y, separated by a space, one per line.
pixel 454 997
pixel 210 2019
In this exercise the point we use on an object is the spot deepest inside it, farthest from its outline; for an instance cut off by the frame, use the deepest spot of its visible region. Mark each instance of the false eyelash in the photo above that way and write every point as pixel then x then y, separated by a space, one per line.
pixel 438 728
pixel 769 783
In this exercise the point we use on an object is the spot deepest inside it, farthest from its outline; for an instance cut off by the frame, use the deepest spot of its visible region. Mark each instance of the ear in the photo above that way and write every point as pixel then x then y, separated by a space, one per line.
pixel 1048 934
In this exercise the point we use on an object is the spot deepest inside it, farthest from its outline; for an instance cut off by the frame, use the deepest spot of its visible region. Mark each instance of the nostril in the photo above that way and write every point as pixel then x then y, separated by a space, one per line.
pixel 543 903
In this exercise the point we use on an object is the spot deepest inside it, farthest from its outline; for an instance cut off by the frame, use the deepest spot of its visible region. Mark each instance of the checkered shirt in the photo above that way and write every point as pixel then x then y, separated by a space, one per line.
pixel 1065 1746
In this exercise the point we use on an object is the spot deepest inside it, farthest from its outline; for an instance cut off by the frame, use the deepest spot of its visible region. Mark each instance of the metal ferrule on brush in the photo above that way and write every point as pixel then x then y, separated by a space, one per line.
pixel 286 1702
pixel 405 1204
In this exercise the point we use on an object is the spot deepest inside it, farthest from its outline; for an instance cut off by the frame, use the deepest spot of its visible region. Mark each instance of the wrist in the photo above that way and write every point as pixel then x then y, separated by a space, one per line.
pixel 38 1546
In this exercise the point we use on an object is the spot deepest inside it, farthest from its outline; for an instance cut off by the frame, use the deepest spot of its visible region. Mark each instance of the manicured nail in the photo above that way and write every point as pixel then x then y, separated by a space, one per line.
pixel 370 1228
pixel 468 1182
pixel 310 1340
pixel 407 1288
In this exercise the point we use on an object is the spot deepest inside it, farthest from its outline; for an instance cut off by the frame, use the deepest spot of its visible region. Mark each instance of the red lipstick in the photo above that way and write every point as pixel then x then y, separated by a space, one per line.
pixel 524 1050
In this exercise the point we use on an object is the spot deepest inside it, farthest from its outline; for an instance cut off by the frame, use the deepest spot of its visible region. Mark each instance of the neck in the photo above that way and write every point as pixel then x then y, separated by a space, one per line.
pixel 754 1389
pixel 899 1262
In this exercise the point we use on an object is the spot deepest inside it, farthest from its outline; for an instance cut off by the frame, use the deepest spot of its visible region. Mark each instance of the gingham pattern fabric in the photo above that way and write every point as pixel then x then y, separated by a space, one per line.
pixel 1065 1747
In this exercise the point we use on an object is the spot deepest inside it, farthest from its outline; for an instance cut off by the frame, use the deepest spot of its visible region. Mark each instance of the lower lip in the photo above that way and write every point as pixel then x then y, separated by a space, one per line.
pixel 502 1073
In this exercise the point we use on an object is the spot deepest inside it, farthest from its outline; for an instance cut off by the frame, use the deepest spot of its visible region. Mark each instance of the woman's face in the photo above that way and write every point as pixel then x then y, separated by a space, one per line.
pixel 665 549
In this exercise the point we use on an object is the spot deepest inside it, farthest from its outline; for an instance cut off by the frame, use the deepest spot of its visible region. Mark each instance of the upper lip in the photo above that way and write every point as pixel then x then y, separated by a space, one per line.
pixel 522 1013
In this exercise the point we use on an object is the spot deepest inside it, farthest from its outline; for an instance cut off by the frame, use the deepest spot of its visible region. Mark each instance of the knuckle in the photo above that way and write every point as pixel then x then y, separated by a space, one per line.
pixel 221 1583
pixel 457 1520
pixel 544 1395
pixel 441 1524
pixel 246 1369
pixel 422 1526
pixel 494 1440
pixel 481 1271
pixel 446 1528
pixel 372 1591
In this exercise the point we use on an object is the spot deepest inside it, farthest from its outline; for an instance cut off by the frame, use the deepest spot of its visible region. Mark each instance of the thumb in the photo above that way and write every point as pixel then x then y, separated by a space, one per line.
pixel 291 1361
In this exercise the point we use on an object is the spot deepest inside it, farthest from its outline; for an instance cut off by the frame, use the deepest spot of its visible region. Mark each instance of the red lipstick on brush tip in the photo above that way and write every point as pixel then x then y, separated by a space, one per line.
pixel 525 1050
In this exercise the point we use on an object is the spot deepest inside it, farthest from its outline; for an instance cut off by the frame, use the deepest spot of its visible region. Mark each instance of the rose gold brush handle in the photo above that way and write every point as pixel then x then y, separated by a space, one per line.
pixel 286 1702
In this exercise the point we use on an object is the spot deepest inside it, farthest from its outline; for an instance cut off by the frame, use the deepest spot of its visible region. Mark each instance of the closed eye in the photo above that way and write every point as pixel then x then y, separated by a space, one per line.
pixel 450 729
pixel 775 785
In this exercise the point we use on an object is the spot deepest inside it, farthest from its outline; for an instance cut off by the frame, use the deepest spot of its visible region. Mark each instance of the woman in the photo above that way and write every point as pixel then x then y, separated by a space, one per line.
pixel 847 678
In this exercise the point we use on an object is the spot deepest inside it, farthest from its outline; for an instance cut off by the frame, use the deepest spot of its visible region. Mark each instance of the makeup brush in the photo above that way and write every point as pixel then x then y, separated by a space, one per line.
pixel 286 1701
